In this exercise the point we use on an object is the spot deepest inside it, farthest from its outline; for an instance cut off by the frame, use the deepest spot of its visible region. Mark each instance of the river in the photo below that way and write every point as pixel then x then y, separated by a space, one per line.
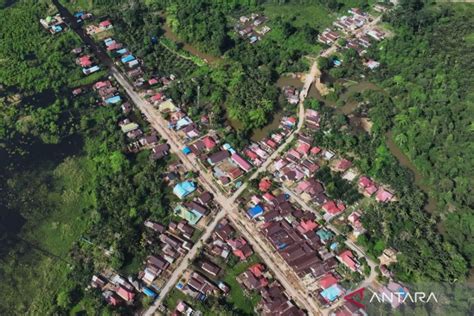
pixel 295 80
pixel 348 108
pixel 405 162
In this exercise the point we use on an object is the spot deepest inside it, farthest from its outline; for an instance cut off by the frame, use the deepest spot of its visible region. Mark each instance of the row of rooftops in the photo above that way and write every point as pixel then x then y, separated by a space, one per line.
pixel 361 41
pixel 204 280
pixel 111 96
pixel 175 241
pixel 85 61
pixel 274 300
pixel 302 243
pixel 226 239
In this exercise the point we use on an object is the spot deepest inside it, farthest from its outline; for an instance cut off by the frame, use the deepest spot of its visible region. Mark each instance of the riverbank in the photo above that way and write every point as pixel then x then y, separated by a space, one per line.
pixel 430 205
pixel 349 106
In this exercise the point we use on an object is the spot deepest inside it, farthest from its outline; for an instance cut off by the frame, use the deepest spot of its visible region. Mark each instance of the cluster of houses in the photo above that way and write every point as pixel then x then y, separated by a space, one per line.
pixel 204 280
pixel 273 298
pixel 103 26
pixel 109 94
pixel 258 152
pixel 85 61
pixel 174 241
pixel 116 290
pixel 328 37
pixel 53 24
pixel 252 27
pixel 182 308
pixel 349 25
pixel 125 58
pixel 309 249
pixel 176 118
pixel 298 162
pixel 292 95
pixel 225 240
pixel 82 16
pixel 349 309
pixel 369 188
pixel 195 208
pixel 137 140
pixel 227 163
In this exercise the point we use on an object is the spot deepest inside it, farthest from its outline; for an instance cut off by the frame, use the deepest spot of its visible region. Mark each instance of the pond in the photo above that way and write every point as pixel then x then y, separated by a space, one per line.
pixel 259 133
pixel 169 34
pixel 351 105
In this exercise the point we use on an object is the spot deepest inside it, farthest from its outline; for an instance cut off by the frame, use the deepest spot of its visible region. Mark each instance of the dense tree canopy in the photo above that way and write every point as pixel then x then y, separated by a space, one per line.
pixel 426 67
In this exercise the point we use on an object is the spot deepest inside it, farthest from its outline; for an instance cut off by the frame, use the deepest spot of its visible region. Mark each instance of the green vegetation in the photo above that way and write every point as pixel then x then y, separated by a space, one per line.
pixel 30 57
pixel 426 104
pixel 301 14
pixel 430 116
pixel 55 202
pixel 237 297
pixel 338 188
pixel 68 191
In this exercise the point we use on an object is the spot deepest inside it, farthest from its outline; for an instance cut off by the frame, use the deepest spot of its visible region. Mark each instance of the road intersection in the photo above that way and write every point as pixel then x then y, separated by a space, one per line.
pixel 228 204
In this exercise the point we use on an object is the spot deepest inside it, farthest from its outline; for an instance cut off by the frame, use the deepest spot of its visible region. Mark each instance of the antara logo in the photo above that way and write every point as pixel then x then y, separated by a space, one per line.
pixel 357 297
pixel 357 293
pixel 402 297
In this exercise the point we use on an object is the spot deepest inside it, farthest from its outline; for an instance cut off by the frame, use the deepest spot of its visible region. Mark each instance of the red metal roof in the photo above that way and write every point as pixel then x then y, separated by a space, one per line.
pixel 327 281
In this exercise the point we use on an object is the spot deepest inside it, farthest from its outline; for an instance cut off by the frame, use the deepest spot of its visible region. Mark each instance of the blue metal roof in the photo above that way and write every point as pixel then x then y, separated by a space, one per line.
pixel 127 58
pixel 113 100
pixel 332 292
pixel 149 292
pixel 122 51
pixel 255 211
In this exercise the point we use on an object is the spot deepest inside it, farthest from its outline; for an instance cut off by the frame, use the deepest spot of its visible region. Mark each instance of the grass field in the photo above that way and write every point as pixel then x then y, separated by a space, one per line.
pixel 237 295
pixel 41 266
pixel 315 15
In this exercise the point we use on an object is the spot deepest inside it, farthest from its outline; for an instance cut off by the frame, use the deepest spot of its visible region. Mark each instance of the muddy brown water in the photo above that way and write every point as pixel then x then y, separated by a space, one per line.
pixel 260 133
pixel 430 206
pixel 348 108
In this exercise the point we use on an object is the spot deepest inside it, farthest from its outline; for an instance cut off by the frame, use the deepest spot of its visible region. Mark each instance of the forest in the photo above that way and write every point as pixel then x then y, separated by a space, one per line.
pixel 433 105
pixel 425 105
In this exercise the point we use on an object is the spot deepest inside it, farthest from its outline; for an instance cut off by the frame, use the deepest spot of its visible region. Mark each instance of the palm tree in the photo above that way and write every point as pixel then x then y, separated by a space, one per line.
pixel 402 119
pixel 257 116
pixel 401 139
